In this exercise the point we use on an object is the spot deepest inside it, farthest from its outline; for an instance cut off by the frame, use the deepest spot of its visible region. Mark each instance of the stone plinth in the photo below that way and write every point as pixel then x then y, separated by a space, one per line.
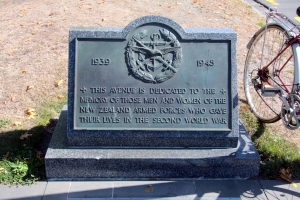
pixel 63 162
pixel 151 101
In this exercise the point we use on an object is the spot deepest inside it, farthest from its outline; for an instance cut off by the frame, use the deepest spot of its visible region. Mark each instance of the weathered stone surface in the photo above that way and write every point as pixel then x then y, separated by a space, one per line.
pixel 63 162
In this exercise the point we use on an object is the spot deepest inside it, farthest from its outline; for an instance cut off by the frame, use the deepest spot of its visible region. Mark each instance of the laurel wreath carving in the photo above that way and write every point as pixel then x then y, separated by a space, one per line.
pixel 137 64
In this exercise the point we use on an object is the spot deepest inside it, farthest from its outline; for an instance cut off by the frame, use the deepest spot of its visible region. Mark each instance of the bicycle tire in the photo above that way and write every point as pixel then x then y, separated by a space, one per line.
pixel 264 48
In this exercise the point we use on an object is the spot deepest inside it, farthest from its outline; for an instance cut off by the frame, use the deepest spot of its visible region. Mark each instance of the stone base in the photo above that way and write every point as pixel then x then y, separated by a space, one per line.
pixel 65 163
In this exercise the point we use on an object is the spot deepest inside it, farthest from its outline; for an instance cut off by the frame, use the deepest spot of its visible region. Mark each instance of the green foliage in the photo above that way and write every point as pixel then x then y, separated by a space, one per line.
pixel 24 165
pixel 12 172
pixel 249 6
pixel 4 122
pixel 15 172
pixel 275 151
pixel 261 24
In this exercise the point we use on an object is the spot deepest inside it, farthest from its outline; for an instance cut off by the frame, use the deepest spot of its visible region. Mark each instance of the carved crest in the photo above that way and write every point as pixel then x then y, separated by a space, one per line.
pixel 159 52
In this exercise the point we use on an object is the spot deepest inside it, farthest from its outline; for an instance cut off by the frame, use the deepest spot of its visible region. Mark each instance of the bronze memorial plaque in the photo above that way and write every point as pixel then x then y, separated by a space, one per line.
pixel 152 80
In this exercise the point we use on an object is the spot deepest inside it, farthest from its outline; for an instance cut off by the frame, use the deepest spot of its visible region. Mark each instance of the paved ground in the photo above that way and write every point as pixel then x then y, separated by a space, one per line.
pixel 288 7
pixel 150 190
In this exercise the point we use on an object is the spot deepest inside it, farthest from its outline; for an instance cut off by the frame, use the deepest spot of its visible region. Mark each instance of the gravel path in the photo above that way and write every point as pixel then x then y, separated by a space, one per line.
pixel 34 42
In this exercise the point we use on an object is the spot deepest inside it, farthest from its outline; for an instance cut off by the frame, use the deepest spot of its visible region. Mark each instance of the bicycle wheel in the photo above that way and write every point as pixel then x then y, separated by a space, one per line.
pixel 280 74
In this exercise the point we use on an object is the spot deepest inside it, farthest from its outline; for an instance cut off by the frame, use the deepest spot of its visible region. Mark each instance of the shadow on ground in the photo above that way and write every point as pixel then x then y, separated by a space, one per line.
pixel 28 146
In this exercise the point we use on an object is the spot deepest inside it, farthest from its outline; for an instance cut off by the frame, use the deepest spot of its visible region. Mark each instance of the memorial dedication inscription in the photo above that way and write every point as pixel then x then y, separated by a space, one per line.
pixel 152 80
pixel 152 76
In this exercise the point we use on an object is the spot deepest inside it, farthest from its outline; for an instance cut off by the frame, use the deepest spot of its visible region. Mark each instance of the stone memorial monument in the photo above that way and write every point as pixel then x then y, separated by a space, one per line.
pixel 151 101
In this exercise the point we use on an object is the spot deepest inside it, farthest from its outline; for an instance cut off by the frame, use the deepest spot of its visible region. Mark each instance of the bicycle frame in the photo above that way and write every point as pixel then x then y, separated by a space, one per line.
pixel 296 49
pixel 295 43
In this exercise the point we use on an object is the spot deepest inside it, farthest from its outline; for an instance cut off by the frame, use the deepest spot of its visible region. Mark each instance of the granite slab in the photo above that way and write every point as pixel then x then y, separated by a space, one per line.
pixel 70 163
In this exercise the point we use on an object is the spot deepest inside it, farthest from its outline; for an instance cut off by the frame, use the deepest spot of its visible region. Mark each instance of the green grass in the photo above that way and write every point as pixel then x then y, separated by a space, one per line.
pixel 23 165
pixel 49 109
pixel 4 122
pixel 249 6
pixel 261 24
pixel 276 152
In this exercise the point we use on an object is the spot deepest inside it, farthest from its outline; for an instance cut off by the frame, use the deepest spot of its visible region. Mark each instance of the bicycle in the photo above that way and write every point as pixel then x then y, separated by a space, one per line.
pixel 272 71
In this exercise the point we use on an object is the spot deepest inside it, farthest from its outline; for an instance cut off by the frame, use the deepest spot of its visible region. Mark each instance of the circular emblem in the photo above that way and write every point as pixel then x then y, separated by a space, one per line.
pixel 153 58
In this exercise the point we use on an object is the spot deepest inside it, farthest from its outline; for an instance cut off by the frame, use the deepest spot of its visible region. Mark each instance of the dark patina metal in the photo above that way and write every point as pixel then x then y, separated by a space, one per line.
pixel 152 80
